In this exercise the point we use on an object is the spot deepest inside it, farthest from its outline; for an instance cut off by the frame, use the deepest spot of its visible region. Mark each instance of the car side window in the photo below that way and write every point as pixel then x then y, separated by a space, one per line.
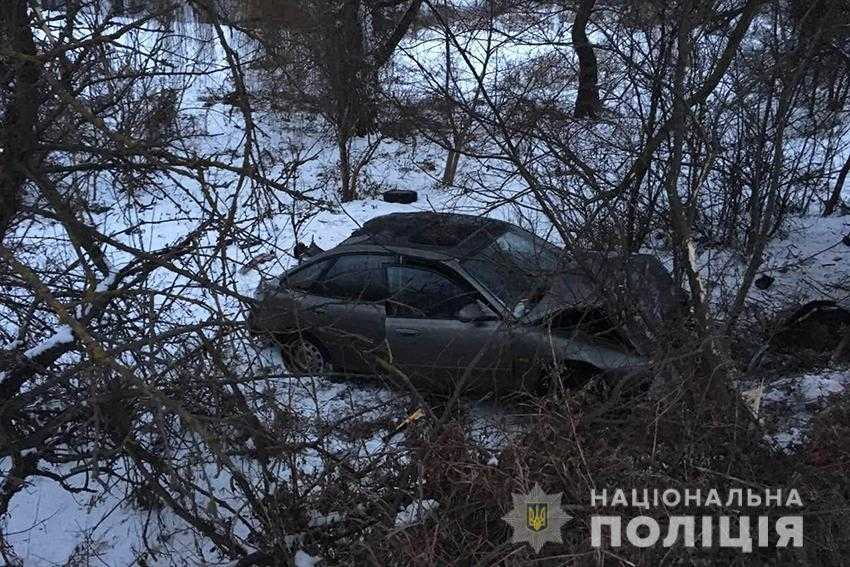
pixel 303 279
pixel 358 277
pixel 419 292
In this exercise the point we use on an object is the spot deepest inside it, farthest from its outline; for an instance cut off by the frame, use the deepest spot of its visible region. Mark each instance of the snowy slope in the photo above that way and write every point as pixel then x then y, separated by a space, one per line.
pixel 47 523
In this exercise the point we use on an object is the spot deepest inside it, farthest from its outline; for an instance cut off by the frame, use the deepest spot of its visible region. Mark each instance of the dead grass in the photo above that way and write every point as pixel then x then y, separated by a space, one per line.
pixel 646 444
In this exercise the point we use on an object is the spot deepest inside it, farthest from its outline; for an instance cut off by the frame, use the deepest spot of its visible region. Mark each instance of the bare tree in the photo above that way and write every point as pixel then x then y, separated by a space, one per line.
pixel 21 106
pixel 348 45
pixel 95 362
pixel 587 100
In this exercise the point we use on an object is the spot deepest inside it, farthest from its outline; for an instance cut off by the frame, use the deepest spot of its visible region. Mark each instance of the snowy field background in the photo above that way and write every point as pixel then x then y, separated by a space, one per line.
pixel 47 524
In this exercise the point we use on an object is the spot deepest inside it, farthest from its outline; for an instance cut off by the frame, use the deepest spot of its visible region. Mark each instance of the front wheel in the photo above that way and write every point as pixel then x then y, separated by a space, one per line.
pixel 304 355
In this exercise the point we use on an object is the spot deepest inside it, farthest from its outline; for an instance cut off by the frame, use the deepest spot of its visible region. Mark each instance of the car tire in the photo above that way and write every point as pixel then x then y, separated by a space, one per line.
pixel 403 196
pixel 304 355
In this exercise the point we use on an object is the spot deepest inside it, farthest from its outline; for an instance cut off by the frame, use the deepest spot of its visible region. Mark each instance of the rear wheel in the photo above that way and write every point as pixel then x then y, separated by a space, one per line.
pixel 304 355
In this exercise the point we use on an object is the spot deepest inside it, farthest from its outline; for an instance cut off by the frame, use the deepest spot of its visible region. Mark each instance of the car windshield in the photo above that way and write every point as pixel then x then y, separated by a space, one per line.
pixel 513 266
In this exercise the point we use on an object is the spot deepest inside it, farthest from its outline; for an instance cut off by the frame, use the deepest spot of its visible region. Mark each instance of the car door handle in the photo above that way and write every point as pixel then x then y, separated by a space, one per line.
pixel 407 332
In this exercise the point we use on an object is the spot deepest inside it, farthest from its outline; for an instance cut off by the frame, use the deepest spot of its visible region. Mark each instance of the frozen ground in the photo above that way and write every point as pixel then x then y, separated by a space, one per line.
pixel 790 402
pixel 809 262
pixel 48 524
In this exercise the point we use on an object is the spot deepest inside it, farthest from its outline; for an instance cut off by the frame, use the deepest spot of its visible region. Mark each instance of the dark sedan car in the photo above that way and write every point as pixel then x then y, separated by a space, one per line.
pixel 443 297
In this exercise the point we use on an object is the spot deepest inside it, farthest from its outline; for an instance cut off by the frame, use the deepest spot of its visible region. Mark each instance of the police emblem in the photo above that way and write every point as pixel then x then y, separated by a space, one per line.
pixel 537 518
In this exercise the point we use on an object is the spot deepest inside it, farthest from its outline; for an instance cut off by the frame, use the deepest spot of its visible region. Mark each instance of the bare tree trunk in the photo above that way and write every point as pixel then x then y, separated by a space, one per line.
pixel 716 387
pixel 346 189
pixel 385 51
pixel 587 101
pixel 451 167
pixel 835 197
pixel 18 137
pixel 801 58
pixel 357 68
pixel 454 151
pixel 636 228
pixel 678 217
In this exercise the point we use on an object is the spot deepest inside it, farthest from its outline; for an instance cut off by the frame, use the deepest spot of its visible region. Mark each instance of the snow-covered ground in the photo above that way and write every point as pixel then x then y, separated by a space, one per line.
pixel 790 402
pixel 47 524
pixel 811 261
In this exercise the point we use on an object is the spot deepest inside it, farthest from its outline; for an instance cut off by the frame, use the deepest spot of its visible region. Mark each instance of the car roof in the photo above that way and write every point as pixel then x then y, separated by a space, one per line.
pixel 427 234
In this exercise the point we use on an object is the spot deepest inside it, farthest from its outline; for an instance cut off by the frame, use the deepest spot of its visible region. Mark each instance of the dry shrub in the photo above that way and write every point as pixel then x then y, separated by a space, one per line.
pixel 829 440
pixel 824 471
pixel 642 444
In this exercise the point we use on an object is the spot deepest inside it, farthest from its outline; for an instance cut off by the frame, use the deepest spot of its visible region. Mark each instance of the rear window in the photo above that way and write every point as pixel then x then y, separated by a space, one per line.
pixel 358 277
pixel 303 278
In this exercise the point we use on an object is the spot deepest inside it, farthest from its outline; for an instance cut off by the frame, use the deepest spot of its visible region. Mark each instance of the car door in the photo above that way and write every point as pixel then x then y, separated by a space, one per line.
pixel 427 340
pixel 345 309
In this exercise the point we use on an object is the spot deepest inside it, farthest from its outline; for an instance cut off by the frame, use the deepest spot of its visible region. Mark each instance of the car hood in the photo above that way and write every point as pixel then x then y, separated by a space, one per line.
pixel 636 289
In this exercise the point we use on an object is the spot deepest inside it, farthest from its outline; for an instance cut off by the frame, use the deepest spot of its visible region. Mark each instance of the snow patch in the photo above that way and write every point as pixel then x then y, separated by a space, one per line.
pixel 415 512
pixel 319 520
pixel 809 387
pixel 63 335
pixel 799 398
pixel 106 282
pixel 302 559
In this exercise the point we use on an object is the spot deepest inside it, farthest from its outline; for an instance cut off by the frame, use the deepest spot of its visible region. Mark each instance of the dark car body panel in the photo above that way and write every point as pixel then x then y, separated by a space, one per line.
pixel 434 352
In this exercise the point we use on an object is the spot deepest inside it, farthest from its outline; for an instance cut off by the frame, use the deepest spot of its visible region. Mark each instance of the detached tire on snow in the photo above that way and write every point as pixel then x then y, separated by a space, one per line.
pixel 818 326
pixel 402 196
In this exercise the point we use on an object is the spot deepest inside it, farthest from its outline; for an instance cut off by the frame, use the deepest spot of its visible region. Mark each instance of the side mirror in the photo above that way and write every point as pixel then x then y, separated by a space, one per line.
pixel 474 312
